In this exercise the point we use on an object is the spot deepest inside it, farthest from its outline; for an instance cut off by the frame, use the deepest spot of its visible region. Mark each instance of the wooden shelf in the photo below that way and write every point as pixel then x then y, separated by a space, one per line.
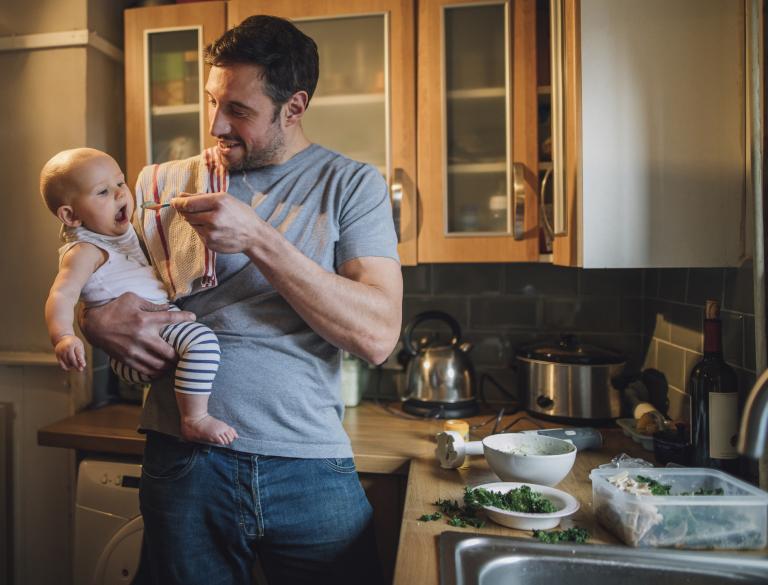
pixel 479 168
pixel 175 110
pixel 480 93
pixel 27 358
pixel 352 99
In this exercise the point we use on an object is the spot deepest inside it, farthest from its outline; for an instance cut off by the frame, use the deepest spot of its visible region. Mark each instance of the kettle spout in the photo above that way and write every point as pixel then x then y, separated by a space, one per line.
pixel 466 347
pixel 753 434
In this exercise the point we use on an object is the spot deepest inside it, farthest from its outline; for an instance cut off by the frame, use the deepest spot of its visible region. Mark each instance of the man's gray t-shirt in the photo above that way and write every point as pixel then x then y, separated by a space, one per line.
pixel 278 383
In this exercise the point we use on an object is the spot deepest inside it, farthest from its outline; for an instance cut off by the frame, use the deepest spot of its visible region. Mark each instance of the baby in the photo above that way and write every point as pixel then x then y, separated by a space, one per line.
pixel 100 260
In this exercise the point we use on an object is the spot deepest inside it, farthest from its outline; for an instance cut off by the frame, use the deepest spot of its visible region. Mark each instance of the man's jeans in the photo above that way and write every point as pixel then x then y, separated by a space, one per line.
pixel 209 512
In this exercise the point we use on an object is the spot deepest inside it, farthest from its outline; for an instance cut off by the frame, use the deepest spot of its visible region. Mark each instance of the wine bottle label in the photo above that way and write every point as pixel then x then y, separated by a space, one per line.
pixel 723 425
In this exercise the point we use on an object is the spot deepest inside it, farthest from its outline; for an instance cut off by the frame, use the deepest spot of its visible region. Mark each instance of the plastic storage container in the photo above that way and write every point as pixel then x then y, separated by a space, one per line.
pixel 738 519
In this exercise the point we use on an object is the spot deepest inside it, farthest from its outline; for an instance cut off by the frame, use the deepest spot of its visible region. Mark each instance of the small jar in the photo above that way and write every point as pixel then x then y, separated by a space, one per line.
pixel 497 206
pixel 462 427
pixel 350 380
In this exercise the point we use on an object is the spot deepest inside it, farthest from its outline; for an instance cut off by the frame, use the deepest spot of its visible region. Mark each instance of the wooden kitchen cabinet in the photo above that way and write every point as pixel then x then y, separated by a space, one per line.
pixel 364 105
pixel 649 117
pixel 647 166
pixel 164 79
pixel 477 135
pixel 476 105
pixel 386 494
pixel 472 197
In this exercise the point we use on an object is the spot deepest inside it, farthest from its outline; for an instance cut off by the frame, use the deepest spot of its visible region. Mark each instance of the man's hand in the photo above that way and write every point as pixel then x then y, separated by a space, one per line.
pixel 224 223
pixel 70 352
pixel 128 329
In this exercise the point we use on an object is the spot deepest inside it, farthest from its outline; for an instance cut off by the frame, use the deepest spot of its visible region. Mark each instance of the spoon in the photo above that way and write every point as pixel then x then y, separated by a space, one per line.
pixel 154 206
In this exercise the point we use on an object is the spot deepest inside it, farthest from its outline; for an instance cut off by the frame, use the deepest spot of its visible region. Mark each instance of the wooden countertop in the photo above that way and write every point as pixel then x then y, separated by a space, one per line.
pixel 382 443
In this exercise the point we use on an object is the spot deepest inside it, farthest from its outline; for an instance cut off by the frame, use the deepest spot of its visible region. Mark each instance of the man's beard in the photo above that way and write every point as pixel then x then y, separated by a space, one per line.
pixel 262 157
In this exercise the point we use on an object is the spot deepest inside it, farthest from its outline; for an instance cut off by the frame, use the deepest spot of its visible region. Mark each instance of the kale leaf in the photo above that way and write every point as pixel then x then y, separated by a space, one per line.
pixel 577 535
pixel 522 499
pixel 457 515
pixel 657 489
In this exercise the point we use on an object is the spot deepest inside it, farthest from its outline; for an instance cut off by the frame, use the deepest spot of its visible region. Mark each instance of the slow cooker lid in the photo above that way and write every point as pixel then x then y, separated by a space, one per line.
pixel 569 350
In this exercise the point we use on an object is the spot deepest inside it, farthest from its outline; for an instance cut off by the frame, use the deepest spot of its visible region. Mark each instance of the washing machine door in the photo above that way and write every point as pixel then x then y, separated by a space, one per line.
pixel 119 561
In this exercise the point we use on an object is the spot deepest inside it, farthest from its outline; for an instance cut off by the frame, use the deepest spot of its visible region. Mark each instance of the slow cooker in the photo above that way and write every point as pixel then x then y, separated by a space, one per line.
pixel 569 381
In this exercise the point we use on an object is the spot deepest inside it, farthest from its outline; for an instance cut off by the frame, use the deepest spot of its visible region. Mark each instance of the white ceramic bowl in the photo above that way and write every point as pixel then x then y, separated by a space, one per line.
pixel 529 458
pixel 565 503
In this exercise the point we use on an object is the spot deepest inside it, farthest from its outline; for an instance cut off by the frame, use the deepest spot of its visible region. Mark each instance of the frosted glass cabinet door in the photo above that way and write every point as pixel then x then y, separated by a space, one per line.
pixel 477 119
pixel 477 131
pixel 175 121
pixel 348 111
pixel 164 79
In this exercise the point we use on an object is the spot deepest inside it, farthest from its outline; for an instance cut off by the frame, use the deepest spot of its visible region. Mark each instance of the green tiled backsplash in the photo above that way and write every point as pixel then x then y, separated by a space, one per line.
pixel 654 316
pixel 673 314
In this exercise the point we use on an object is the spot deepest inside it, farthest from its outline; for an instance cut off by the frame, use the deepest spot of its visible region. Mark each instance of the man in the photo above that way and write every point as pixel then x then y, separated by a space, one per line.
pixel 307 265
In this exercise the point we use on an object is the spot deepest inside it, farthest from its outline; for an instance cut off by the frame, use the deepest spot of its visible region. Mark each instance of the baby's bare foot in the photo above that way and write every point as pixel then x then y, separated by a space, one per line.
pixel 207 429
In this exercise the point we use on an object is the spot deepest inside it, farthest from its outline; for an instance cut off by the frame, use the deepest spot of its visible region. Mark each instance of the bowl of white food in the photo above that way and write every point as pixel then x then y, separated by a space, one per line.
pixel 529 458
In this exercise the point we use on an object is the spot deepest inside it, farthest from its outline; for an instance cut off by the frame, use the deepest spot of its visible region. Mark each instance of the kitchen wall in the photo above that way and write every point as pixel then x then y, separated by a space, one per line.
pixel 654 316
pixel 51 99
pixel 503 306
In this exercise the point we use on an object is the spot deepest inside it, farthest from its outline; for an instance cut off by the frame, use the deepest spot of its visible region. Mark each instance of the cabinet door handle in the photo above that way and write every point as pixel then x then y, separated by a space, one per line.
pixel 396 196
pixel 559 207
pixel 518 203
pixel 550 231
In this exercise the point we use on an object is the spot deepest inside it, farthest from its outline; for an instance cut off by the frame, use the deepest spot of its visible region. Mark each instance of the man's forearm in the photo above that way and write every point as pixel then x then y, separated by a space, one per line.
pixel 359 316
pixel 128 329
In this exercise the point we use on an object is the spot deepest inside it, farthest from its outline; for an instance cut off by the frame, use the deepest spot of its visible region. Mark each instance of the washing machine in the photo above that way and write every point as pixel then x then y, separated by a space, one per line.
pixel 108 524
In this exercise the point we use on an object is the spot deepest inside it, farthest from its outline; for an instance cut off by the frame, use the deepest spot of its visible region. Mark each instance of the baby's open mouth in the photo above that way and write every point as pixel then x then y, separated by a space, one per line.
pixel 121 215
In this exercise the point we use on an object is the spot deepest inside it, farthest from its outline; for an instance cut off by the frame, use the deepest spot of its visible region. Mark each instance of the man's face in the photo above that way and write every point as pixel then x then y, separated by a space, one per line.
pixel 243 118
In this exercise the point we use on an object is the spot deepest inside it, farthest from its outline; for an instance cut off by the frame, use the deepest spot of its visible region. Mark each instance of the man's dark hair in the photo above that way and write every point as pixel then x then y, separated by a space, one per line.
pixel 289 57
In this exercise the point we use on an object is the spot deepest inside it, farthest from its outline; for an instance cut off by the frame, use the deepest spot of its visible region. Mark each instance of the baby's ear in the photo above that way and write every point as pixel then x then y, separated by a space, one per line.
pixel 67 216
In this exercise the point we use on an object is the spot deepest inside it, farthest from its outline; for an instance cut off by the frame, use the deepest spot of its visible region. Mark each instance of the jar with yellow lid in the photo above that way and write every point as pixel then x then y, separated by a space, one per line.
pixel 462 427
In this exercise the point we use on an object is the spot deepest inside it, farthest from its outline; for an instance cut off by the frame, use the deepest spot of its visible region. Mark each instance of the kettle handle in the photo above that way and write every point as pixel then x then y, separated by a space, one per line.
pixel 429 316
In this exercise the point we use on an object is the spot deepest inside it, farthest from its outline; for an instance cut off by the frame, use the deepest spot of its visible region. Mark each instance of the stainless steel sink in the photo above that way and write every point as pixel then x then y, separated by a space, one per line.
pixel 467 559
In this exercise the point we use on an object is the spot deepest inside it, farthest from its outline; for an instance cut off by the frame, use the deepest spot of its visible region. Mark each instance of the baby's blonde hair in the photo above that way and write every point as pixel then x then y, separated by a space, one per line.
pixel 55 185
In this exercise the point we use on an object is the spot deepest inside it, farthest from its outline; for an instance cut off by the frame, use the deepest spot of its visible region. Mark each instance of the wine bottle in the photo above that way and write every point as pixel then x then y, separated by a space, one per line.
pixel 714 401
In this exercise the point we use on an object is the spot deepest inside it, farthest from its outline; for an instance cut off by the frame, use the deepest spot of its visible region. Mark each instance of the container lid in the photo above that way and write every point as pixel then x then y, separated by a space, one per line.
pixel 569 350
pixel 737 491
pixel 458 425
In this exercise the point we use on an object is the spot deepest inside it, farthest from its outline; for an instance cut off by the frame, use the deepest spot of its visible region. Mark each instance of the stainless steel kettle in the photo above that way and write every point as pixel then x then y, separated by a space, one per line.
pixel 438 374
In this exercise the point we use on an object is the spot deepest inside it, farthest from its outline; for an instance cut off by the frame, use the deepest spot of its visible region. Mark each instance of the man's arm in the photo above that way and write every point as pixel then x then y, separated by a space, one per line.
pixel 128 329
pixel 359 309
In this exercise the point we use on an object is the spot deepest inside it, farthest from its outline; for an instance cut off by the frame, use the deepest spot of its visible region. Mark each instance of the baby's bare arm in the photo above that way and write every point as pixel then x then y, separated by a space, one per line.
pixel 77 266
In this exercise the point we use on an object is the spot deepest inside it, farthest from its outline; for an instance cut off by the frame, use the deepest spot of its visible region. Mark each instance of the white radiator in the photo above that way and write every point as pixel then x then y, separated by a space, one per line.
pixel 6 493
